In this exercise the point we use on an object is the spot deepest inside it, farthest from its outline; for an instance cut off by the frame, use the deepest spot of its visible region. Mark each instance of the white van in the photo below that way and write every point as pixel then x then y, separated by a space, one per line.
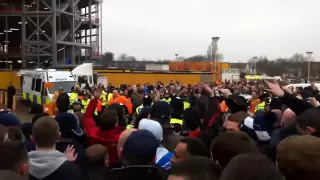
pixel 302 85
pixel 33 90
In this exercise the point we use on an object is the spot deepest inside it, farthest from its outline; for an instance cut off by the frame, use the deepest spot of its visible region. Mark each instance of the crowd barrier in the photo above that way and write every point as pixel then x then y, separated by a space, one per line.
pixel 4 100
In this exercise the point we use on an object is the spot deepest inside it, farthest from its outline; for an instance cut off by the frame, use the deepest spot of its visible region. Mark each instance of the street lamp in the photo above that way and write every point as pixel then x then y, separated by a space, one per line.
pixel 176 61
pixel 255 59
pixel 309 59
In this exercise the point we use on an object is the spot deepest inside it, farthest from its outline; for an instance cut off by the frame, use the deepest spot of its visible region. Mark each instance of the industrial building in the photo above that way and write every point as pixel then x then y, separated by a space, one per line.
pixel 49 33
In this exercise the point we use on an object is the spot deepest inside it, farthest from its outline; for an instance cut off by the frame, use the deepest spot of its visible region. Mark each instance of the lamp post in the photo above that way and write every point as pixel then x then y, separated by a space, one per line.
pixel 176 61
pixel 309 59
pixel 255 59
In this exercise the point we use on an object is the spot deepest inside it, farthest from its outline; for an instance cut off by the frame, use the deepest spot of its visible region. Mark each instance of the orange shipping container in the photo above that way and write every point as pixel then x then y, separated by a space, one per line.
pixel 198 66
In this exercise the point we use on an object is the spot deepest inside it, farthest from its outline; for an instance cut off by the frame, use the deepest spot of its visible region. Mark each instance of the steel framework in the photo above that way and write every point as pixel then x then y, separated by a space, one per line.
pixel 58 33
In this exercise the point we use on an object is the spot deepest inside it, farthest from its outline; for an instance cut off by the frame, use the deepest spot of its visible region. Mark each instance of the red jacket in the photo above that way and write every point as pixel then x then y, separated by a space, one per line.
pixel 108 138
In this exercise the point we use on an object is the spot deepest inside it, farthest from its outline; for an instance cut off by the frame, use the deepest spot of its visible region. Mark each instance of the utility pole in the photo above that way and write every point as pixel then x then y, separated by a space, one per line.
pixel 176 61
pixel 309 59
pixel 215 58
pixel 255 59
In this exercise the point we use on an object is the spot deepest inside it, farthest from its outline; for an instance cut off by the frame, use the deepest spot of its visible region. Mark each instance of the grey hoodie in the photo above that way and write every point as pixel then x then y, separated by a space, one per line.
pixel 44 163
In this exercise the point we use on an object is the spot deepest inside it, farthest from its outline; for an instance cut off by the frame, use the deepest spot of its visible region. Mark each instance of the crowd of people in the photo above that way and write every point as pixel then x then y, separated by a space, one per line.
pixel 210 131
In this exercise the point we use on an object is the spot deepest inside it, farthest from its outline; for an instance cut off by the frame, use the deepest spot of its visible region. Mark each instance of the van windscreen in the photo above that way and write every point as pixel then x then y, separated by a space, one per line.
pixel 66 85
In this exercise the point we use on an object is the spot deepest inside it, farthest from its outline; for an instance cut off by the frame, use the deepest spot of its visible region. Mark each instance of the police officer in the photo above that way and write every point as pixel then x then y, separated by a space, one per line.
pixel 85 102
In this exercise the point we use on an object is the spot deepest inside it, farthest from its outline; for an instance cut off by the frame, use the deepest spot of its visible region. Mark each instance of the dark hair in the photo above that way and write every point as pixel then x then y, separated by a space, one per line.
pixel 147 100
pixel 108 119
pixel 230 144
pixel 143 115
pixel 12 154
pixel 192 118
pixel 45 132
pixel 250 166
pixel 309 118
pixel 196 168
pixel 15 133
pixel 195 147
pixel 120 112
pixel 38 116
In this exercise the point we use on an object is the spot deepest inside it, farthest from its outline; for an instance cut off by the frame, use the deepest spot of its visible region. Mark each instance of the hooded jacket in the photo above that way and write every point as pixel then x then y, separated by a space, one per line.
pixel 51 165
pixel 163 156
pixel 108 138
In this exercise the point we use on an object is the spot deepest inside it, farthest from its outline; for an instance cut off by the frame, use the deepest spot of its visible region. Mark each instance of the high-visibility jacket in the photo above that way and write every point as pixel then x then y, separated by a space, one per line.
pixel 138 109
pixel 103 97
pixel 176 121
pixel 186 105
pixel 85 104
pixel 110 96
pixel 260 107
pixel 98 108
pixel 166 100
pixel 73 97
pixel 129 126
pixel 123 100
pixel 223 106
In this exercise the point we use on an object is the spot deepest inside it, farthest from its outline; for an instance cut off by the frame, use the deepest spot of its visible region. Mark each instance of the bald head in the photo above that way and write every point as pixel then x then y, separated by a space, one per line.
pixel 122 139
pixel 115 93
pixel 288 118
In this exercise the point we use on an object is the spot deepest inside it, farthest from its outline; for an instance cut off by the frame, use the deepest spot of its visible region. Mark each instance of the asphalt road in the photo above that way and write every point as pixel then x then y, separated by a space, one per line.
pixel 21 112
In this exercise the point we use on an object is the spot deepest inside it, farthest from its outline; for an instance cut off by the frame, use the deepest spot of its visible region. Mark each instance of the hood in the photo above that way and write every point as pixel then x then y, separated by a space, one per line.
pixel 111 134
pixel 42 164
pixel 153 126
pixel 161 151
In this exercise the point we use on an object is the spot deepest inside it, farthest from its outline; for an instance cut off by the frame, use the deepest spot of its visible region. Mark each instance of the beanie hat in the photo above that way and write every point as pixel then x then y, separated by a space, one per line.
pixel 153 126
pixel 161 111
pixel 141 145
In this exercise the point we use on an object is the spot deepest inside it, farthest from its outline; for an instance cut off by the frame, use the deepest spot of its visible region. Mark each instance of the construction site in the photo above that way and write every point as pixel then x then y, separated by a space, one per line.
pixel 49 33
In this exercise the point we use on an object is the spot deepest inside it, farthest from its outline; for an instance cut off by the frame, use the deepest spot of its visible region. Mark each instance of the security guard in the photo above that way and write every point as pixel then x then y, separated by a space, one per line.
pixel 85 102
pixel 76 107
pixel 260 107
pixel 147 101
pixel 104 98
pixel 166 97
pixel 73 96
pixel 177 114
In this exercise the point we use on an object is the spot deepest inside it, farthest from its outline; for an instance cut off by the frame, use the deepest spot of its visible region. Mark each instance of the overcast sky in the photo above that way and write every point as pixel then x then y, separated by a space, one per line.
pixel 157 29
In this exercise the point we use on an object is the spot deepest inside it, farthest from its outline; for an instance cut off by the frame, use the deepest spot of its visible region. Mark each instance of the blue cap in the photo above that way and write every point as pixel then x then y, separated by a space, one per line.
pixel 141 145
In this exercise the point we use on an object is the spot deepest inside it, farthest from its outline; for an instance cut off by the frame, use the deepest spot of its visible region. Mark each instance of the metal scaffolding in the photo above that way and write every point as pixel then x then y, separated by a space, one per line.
pixel 58 33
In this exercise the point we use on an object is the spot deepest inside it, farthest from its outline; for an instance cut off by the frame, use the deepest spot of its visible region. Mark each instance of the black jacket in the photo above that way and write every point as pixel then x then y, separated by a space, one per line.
pixel 138 173
pixel 63 102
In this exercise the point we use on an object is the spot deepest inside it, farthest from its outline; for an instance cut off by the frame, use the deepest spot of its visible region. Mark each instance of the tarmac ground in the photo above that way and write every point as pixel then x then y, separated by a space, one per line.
pixel 22 112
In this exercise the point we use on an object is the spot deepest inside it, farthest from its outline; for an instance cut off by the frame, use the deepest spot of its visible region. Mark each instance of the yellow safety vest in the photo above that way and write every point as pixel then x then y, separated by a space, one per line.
pixel 73 97
pixel 260 107
pixel 85 104
pixel 129 126
pixel 138 109
pixel 186 105
pixel 166 100
pixel 110 96
pixel 104 98
pixel 175 121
